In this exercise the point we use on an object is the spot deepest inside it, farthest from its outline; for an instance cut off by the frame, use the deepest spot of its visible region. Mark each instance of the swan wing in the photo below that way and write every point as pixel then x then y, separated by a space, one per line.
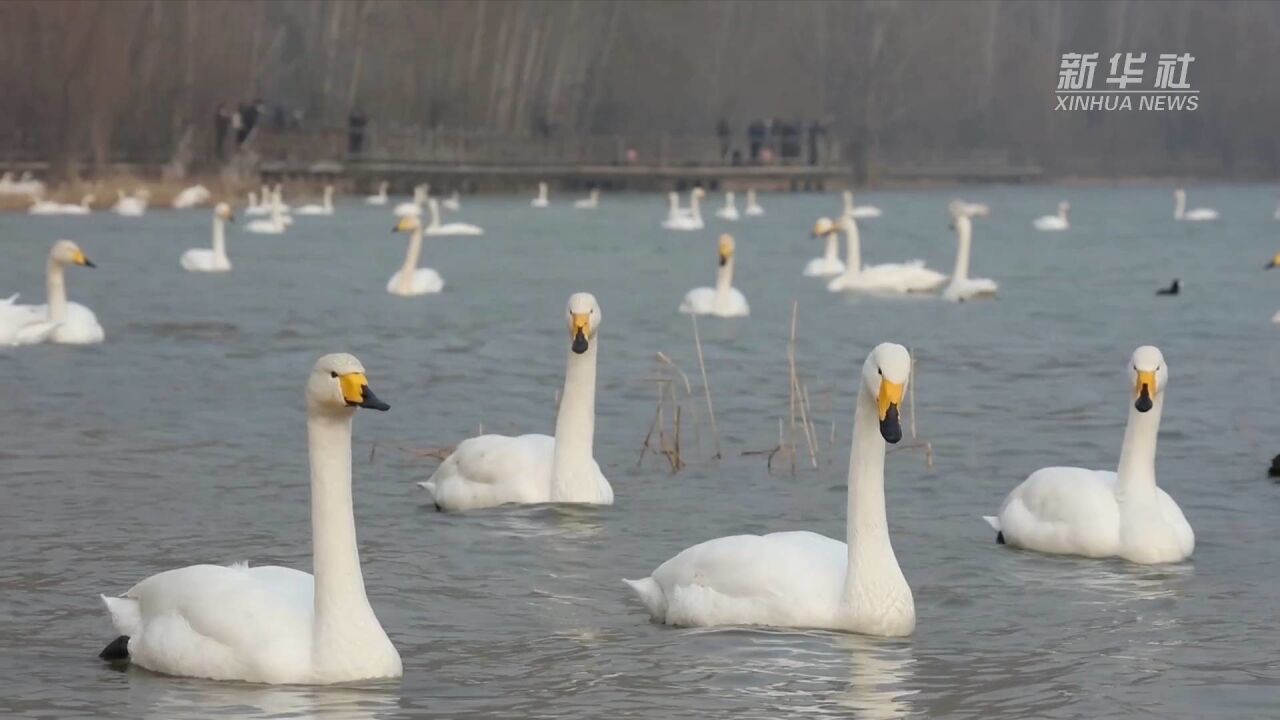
pixel 698 301
pixel 1063 510
pixel 494 470
pixel 822 267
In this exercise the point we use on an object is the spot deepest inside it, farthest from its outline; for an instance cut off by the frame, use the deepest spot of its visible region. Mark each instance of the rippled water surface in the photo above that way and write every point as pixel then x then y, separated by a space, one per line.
pixel 181 440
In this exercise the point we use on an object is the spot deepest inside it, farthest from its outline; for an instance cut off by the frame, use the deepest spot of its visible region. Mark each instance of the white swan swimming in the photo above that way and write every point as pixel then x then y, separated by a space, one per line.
pixel 380 198
pixel 58 320
pixel 673 207
pixel 211 259
pixel 273 225
pixel 274 624
pixel 50 207
pixel 830 263
pixel 1099 513
pixel 541 200
pixel 724 300
pixel 455 228
pixel 453 203
pixel 690 219
pixel 908 277
pixel 858 212
pixel 191 197
pixel 802 579
pixel 730 209
pixel 1054 223
pixel 324 208
pixel 278 206
pixel 410 279
pixel 27 185
pixel 590 202
pixel 255 208
pixel 413 208
pixel 131 206
pixel 494 470
pixel 753 208
pixel 1180 211
pixel 962 287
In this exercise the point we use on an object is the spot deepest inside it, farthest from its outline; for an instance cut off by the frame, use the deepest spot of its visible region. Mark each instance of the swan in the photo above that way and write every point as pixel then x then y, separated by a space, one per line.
pixel 126 206
pixel 453 203
pixel 1100 513
pixel 753 205
pixel 1275 214
pixel 1180 211
pixel 830 263
pixel 274 624
pixel 541 201
pixel 674 210
pixel 962 287
pixel 191 197
pixel 215 259
pixel 858 212
pixel 413 208
pixel 59 320
pixel 590 202
pixel 381 197
pixel 457 228
pixel 273 225
pixel 27 185
pixel 1053 223
pixel 908 277
pixel 84 207
pixel 256 208
pixel 278 206
pixel 494 470
pixel 325 208
pixel 724 300
pixel 410 279
pixel 802 579
pixel 730 209
pixel 51 207
pixel 690 219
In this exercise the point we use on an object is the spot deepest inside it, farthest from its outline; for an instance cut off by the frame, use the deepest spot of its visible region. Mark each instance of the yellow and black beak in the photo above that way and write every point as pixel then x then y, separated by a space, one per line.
pixel 355 390
pixel 1144 390
pixel 80 259
pixel 405 224
pixel 1275 262
pixel 888 402
pixel 580 329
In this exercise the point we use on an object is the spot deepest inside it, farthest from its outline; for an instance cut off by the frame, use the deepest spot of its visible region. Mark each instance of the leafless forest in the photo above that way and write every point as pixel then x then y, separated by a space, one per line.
pixel 104 80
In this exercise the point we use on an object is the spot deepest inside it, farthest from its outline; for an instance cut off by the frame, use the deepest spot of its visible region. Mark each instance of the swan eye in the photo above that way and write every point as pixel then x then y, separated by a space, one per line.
pixel 879 372
pixel 333 374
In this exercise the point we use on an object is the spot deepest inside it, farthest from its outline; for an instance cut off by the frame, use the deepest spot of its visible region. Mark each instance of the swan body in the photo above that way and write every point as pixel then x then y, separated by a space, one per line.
pixel 273 225
pixel 411 280
pixel 255 208
pixel 379 198
pixel 829 264
pixel 58 320
pixel 541 201
pixel 689 220
pixel 453 203
pixel 458 228
pixel 324 208
pixel 1054 223
pixel 730 209
pixel 191 197
pixel 413 208
pixel 26 185
pixel 492 470
pixel 211 259
pixel 275 624
pixel 858 212
pixel 962 287
pixel 49 207
pixel 1180 211
pixel 590 202
pixel 1099 513
pixel 753 208
pixel 802 579
pixel 895 278
pixel 724 300
pixel 130 206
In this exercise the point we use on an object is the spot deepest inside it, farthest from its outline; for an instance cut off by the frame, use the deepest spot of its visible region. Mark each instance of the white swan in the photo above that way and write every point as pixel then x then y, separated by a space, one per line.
pixel 457 228
pixel 274 624
pixel 1099 513
pixel 908 277
pixel 27 185
pixel 753 205
pixel 687 220
pixel 674 210
pixel 130 206
pixel 830 263
pixel 381 197
pixel 541 201
pixel 802 579
pixel 494 470
pixel 1180 211
pixel 410 279
pixel 590 202
pixel 858 212
pixel 1054 223
pixel 724 300
pixel 453 203
pixel 413 208
pixel 273 225
pixel 191 197
pixel 59 320
pixel 255 208
pixel 730 209
pixel 325 208
pixel 279 207
pixel 50 207
pixel 962 287
pixel 215 259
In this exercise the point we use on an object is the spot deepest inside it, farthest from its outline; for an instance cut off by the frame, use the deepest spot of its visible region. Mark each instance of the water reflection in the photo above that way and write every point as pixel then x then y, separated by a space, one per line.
pixel 880 674
pixel 167 697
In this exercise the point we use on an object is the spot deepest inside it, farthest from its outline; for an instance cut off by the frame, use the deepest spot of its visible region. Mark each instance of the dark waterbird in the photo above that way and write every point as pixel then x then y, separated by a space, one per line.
pixel 1173 289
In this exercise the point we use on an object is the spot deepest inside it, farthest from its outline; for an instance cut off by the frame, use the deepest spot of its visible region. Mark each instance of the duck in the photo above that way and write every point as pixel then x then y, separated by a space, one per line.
pixel 962 287
pixel 453 203
pixel 492 470
pixel 858 212
pixel 191 197
pixel 456 228
pixel 1101 513
pixel 271 624
pixel 830 264
pixel 1054 223
pixel 541 201
pixel 753 208
pixel 730 209
pixel 413 208
pixel 801 579
pixel 380 197
pixel 1174 288
pixel 687 220
pixel 411 280
pixel 590 202
pixel 892 278
pixel 58 320
pixel 724 300
pixel 130 206
pixel 1180 211
pixel 211 259
pixel 324 208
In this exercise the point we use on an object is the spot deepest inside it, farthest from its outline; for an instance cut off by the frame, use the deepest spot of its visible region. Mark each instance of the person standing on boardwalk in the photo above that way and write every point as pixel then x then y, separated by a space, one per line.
pixel 723 132
pixel 221 124
pixel 356 123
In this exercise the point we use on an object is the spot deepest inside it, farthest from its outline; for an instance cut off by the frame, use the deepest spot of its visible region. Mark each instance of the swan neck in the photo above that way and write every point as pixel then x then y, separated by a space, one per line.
pixel 853 261
pixel 871 558
pixel 695 208
pixel 219 237
pixel 411 259
pixel 724 281
pixel 833 248
pixel 1179 206
pixel 573 468
pixel 434 208
pixel 56 291
pixel 848 202
pixel 964 239
pixel 1136 473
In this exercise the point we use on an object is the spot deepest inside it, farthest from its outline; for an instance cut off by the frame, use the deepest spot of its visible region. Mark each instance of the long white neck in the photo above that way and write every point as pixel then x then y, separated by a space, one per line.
pixel 832 252
pixel 411 260
pixel 56 291
pixel 1136 484
pixel 848 202
pixel 382 191
pixel 872 563
pixel 328 199
pixel 1179 205
pixel 724 281
pixel 1062 213
pixel 342 612
pixel 853 253
pixel 695 207
pixel 964 238
pixel 434 208
pixel 542 191
pixel 253 200
pixel 219 237
pixel 572 470
pixel 729 203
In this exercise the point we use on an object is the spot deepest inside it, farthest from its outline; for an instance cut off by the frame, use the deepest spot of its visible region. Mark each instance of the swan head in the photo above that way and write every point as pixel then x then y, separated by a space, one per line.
pixel 1180 194
pixel 824 227
pixel 1064 207
pixel 729 195
pixel 727 248
pixel 338 386
pixel 1275 261
pixel 884 377
pixel 407 224
pixel 66 252
pixel 584 316
pixel 223 212
pixel 1148 376
pixel 698 192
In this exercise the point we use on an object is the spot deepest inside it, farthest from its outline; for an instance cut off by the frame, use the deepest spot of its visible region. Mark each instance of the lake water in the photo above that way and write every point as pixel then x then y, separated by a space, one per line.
pixel 181 440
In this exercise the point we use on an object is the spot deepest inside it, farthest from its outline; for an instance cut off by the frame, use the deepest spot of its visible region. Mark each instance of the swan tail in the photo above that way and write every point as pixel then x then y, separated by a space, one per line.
pixel 126 615
pixel 651 596
pixel 10 300
pixel 994 522
pixel 117 650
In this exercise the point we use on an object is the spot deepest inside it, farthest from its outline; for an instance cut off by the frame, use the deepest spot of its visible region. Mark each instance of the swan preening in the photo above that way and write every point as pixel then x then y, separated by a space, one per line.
pixel 590 202
pixel 458 228
pixel 802 579
pixel 59 320
pixel 679 218
pixel 753 208
pixel 379 198
pixel 724 300
pixel 1100 513
pixel 131 205
pixel 1052 223
pixel 324 208
pixel 541 200
pixel 730 209
pixel 494 470
pixel 211 259
pixel 413 207
pixel 274 624
pixel 410 279
pixel 1180 211
pixel 962 287
pixel 191 197
pixel 908 277
pixel 51 207
pixel 858 212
